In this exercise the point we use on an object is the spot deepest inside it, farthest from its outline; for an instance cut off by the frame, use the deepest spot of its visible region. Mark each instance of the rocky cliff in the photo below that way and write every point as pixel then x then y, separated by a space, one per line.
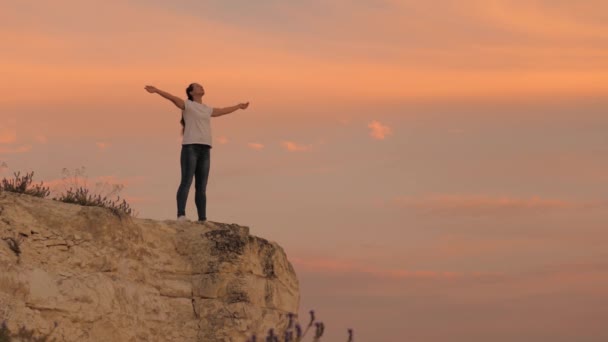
pixel 84 274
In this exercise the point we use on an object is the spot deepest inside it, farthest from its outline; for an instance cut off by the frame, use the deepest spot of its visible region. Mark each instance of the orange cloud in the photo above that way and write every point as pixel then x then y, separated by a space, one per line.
pixel 7 136
pixel 550 20
pixel 222 140
pixel 588 276
pixel 102 145
pixel 41 139
pixel 379 131
pixel 452 246
pixel 14 150
pixel 255 146
pixel 294 147
pixel 582 166
pixel 486 205
pixel 345 121
pixel 336 266
pixel 430 72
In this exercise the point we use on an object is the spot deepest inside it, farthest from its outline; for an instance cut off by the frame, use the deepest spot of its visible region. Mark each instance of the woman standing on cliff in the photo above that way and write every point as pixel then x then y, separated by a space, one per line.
pixel 196 145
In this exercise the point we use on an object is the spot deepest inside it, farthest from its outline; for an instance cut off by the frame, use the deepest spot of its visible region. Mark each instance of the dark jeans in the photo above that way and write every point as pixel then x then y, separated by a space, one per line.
pixel 195 161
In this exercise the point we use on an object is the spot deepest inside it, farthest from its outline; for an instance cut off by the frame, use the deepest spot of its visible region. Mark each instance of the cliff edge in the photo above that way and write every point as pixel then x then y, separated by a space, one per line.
pixel 84 274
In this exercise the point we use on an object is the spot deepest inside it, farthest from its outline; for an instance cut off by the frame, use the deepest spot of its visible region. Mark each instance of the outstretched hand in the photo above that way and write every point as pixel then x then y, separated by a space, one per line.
pixel 244 105
pixel 151 89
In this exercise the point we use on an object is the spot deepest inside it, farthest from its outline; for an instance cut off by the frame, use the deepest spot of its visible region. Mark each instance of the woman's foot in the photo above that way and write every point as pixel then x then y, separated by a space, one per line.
pixel 182 219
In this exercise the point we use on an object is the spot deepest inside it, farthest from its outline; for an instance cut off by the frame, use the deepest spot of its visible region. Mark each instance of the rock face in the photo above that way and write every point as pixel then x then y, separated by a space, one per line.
pixel 84 274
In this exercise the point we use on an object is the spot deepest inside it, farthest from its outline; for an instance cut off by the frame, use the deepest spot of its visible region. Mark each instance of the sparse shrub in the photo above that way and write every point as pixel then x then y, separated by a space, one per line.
pixel 23 185
pixel 83 196
pixel 76 190
pixel 22 335
pixel 77 178
pixel 294 332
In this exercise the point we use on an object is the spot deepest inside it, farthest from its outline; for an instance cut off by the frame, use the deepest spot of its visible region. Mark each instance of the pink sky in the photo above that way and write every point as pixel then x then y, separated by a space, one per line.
pixel 435 171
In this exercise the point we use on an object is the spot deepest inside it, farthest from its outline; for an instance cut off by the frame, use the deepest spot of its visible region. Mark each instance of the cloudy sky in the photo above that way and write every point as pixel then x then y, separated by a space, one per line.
pixel 435 170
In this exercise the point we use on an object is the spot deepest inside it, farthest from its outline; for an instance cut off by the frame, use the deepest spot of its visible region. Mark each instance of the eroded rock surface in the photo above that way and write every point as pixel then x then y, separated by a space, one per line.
pixel 84 274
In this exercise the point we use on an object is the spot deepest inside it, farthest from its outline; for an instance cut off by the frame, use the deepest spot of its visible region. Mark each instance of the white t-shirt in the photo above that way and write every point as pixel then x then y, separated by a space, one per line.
pixel 197 117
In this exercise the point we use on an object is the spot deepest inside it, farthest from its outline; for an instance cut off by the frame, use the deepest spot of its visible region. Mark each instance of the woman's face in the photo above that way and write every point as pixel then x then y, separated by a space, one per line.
pixel 197 89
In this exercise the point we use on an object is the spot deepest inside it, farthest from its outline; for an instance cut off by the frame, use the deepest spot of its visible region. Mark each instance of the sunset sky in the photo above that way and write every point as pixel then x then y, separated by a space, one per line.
pixel 435 170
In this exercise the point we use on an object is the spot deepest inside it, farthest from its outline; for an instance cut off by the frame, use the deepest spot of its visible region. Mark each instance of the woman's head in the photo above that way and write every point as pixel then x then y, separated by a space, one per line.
pixel 195 90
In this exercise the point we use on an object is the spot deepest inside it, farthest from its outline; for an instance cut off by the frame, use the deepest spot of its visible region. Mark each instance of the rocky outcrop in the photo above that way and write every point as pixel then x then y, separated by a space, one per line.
pixel 85 274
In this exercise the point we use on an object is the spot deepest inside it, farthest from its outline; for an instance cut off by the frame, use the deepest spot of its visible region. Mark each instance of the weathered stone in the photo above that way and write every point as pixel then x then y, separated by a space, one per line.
pixel 84 274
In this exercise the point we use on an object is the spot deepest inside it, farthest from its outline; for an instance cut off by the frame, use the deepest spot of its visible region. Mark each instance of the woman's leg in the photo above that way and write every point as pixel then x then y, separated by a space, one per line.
pixel 200 183
pixel 188 165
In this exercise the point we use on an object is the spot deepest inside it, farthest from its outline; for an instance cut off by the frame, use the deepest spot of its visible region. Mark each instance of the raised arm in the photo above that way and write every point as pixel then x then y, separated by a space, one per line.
pixel 176 100
pixel 228 110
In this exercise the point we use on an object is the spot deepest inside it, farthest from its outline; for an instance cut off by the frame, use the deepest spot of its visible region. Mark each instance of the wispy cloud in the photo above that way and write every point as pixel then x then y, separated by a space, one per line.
pixel 487 205
pixel 487 56
pixel 15 150
pixel 583 166
pixel 546 20
pixel 102 146
pixel 456 246
pixel 255 146
pixel 337 266
pixel 295 147
pixel 378 130
pixel 222 140
pixel 473 285
pixel 41 139
pixel 345 121
pixel 7 136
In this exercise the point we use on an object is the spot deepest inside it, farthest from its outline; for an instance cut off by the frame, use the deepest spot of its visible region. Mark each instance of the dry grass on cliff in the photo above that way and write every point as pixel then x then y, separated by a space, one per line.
pixel 83 196
pixel 78 194
pixel 23 185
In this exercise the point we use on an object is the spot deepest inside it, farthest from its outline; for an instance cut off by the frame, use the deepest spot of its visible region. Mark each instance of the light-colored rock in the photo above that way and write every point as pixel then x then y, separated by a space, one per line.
pixel 84 274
